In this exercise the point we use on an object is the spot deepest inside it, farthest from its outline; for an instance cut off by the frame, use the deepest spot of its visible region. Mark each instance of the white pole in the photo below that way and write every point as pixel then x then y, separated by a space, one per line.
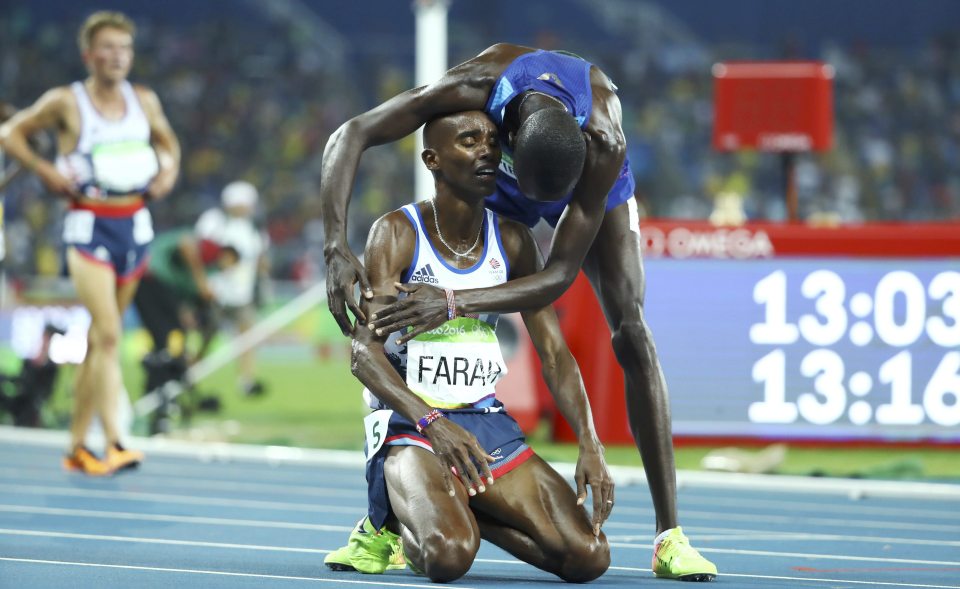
pixel 431 64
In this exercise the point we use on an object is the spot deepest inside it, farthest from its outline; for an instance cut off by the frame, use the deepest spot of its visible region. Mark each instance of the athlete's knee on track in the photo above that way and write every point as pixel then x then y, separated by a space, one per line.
pixel 585 558
pixel 447 557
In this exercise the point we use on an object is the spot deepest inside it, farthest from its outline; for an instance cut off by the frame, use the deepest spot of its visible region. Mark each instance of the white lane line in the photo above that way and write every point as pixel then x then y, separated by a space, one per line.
pixel 106 538
pixel 803 555
pixel 820 537
pixel 218 573
pixel 623 475
pixel 794 536
pixel 159 482
pixel 181 499
pixel 226 471
pixel 318 551
pixel 643 546
pixel 724 575
pixel 191 519
pixel 154 481
pixel 841 581
pixel 847 508
pixel 749 576
pixel 698 533
pixel 319 508
pixel 820 522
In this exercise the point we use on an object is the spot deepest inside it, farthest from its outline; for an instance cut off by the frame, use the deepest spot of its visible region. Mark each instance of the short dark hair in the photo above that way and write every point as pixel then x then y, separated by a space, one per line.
pixel 548 154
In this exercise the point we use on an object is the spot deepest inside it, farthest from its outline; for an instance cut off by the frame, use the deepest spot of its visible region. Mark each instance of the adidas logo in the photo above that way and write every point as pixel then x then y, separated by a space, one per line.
pixel 424 274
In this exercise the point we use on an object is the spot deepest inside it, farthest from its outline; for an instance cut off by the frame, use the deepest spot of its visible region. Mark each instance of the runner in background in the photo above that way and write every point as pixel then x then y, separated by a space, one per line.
pixel 116 151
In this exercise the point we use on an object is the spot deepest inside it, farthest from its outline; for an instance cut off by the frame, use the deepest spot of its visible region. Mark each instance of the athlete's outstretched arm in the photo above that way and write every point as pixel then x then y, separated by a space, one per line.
pixel 164 142
pixel 464 87
pixel 562 375
pixel 46 113
pixel 389 250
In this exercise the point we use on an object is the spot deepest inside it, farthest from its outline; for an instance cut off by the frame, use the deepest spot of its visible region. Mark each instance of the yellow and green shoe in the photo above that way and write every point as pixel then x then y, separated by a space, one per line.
pixel 674 558
pixel 368 551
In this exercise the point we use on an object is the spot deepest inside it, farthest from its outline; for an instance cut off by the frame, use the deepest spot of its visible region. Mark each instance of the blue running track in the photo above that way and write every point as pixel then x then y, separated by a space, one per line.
pixel 207 516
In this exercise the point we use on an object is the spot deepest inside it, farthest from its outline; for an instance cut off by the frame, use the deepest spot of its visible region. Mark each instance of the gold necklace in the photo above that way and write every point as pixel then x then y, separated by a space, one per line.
pixel 436 221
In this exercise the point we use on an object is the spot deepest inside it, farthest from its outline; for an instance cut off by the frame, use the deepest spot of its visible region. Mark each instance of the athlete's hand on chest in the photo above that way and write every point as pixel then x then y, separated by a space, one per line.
pixel 424 308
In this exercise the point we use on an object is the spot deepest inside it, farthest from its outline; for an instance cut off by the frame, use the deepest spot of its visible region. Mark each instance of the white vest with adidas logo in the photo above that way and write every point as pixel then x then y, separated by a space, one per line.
pixel 459 363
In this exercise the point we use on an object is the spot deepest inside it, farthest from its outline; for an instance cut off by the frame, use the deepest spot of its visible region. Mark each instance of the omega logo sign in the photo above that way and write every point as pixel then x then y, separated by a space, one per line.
pixel 681 242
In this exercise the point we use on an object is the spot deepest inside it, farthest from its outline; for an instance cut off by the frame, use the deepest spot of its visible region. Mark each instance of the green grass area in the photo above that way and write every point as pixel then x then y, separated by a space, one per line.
pixel 316 403
pixel 319 405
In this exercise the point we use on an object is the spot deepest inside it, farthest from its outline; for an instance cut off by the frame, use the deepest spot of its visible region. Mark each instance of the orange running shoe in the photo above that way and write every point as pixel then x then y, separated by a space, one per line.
pixel 119 458
pixel 85 461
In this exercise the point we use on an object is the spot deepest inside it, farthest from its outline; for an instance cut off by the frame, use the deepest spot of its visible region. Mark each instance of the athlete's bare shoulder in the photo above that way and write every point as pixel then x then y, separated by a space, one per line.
pixel 55 109
pixel 390 245
pixel 58 98
pixel 393 229
pixel 504 52
pixel 605 119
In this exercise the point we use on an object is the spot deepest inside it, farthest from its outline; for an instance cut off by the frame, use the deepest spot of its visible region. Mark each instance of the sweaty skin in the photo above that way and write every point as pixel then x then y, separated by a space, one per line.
pixel 467 87
pixel 531 511
pixel 605 244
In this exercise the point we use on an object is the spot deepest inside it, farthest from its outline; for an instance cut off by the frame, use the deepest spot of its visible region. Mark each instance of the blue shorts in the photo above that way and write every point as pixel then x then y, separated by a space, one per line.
pixel 508 201
pixel 116 238
pixel 497 432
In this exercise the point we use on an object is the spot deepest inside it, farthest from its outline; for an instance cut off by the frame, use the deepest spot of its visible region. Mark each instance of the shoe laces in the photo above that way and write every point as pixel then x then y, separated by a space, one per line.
pixel 670 547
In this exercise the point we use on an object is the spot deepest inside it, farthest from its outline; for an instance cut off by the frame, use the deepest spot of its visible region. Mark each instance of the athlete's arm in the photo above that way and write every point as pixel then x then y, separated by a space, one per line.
pixel 426 308
pixel 389 250
pixel 14 168
pixel 465 87
pixel 562 375
pixel 47 112
pixel 164 142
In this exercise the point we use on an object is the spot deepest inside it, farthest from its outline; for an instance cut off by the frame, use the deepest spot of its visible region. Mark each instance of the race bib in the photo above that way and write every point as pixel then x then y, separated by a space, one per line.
pixel 124 167
pixel 375 425
pixel 78 227
pixel 455 365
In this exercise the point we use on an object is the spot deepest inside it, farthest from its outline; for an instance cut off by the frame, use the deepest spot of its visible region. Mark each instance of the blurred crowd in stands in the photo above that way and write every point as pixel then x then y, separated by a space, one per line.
pixel 256 98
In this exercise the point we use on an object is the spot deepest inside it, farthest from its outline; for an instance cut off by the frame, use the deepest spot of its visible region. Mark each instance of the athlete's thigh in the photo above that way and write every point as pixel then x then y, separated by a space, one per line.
pixel 420 499
pixel 614 265
pixel 534 499
pixel 125 293
pixel 95 284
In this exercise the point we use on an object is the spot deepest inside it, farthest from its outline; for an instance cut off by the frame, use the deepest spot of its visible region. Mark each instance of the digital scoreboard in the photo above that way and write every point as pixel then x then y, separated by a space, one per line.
pixel 791 333
pixel 809 347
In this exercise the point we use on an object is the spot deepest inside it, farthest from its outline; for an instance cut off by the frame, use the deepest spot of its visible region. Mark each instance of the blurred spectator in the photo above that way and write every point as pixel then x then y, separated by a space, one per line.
pixel 240 288
pixel 252 99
